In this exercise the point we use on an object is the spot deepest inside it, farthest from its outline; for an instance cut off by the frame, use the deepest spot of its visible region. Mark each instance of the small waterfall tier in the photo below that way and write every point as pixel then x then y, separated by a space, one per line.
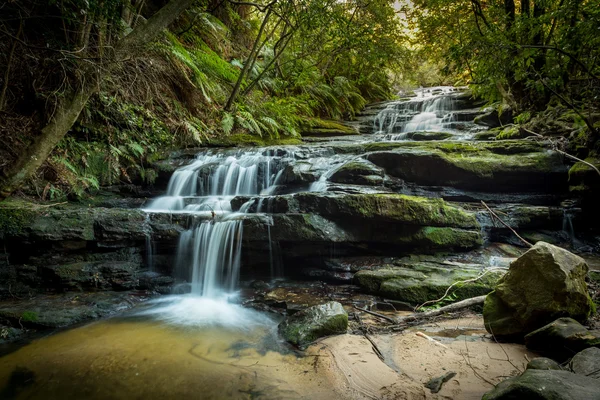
pixel 212 180
pixel 440 109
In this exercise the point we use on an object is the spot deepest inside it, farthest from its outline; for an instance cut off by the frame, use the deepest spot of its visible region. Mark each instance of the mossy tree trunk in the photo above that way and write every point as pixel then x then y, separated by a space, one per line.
pixel 68 109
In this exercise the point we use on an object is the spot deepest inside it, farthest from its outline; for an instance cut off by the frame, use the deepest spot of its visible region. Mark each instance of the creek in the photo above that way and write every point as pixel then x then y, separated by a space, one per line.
pixel 240 231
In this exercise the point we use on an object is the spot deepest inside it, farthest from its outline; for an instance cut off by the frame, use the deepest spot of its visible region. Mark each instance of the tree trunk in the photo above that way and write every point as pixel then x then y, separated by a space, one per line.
pixel 246 68
pixel 68 110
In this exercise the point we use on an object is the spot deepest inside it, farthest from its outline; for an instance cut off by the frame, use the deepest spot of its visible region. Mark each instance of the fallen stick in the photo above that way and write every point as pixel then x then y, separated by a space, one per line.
pixel 473 301
pixel 389 319
pixel 436 342
pixel 505 224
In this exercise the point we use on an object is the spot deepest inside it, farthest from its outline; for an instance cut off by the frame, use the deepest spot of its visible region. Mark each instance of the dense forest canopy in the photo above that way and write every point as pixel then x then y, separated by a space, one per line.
pixel 91 90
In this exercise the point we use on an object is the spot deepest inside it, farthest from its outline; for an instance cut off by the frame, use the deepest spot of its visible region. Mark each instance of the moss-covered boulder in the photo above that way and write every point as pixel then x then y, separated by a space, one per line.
pixel 423 136
pixel 314 322
pixel 546 385
pixel 510 165
pixel 420 282
pixel 399 208
pixel 358 172
pixel 562 339
pixel 545 283
pixel 327 128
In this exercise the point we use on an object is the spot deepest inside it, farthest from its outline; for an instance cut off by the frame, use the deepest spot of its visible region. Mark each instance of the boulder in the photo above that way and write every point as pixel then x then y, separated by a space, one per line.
pixel 484 166
pixel 537 384
pixel 545 364
pixel 423 136
pixel 587 363
pixel 545 283
pixel 493 119
pixel 314 322
pixel 420 282
pixel 562 339
pixel 357 172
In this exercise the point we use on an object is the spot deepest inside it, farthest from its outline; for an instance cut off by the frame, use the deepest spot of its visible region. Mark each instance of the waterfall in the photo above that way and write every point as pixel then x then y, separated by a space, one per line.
pixel 208 254
pixel 212 180
pixel 431 110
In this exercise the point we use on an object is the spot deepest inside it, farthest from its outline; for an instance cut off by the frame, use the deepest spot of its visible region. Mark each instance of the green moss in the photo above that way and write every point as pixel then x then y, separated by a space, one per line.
pixel 417 283
pixel 321 127
pixel 248 140
pixel 29 316
pixel 512 132
pixel 15 217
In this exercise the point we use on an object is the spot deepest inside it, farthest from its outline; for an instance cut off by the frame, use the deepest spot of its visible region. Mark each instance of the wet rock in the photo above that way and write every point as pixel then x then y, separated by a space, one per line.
pixel 54 311
pixel 155 282
pixel 546 385
pixel 359 172
pixel 493 119
pixel 587 363
pixel 9 334
pixel 514 166
pixel 545 364
pixel 307 326
pixel 543 284
pixel 91 276
pixel 417 283
pixel 398 208
pixel 435 384
pixel 422 136
pixel 562 339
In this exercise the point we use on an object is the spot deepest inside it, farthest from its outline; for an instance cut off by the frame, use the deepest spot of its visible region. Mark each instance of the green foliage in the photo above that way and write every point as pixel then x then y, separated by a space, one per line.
pixel 29 316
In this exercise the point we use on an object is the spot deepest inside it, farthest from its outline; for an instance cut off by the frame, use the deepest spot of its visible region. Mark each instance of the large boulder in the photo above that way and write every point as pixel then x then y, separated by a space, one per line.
pixel 420 282
pixel 587 363
pixel 511 165
pixel 562 339
pixel 357 172
pixel 537 384
pixel 314 322
pixel 545 283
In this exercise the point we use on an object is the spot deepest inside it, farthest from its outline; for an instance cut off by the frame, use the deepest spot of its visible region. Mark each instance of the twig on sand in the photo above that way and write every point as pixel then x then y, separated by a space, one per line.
pixel 364 329
pixel 432 340
pixel 473 301
pixel 389 319
pixel 505 224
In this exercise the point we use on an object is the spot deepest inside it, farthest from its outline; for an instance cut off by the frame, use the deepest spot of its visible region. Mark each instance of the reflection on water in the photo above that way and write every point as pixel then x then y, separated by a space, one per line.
pixel 181 347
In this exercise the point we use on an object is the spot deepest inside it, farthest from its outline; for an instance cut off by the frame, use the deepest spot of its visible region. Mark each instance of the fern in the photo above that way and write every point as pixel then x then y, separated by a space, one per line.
pixel 227 123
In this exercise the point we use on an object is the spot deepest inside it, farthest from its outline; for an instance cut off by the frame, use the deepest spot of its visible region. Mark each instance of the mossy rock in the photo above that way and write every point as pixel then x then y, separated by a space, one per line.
pixel 488 166
pixel 327 128
pixel 424 136
pixel 249 140
pixel 417 283
pixel 546 385
pixel 399 208
pixel 561 339
pixel 357 172
pixel 583 178
pixel 545 283
pixel 314 322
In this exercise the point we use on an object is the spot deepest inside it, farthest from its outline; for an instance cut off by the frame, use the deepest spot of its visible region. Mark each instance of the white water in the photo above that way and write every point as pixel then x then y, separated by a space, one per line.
pixel 431 110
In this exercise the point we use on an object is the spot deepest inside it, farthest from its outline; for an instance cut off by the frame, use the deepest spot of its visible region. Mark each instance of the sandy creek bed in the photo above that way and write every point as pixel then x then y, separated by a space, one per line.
pixel 145 357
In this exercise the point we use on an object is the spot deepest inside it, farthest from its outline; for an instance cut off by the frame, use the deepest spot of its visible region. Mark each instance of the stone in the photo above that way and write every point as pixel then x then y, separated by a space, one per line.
pixel 562 339
pixel 420 282
pixel 112 275
pixel 545 283
pixel 493 119
pixel 435 384
pixel 544 364
pixel 508 165
pixel 587 363
pixel 536 384
pixel 314 322
pixel 422 136
pixel 357 172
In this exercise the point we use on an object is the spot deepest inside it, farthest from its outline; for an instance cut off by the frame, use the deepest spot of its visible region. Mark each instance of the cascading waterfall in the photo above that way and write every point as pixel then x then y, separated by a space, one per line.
pixel 430 110
pixel 208 254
